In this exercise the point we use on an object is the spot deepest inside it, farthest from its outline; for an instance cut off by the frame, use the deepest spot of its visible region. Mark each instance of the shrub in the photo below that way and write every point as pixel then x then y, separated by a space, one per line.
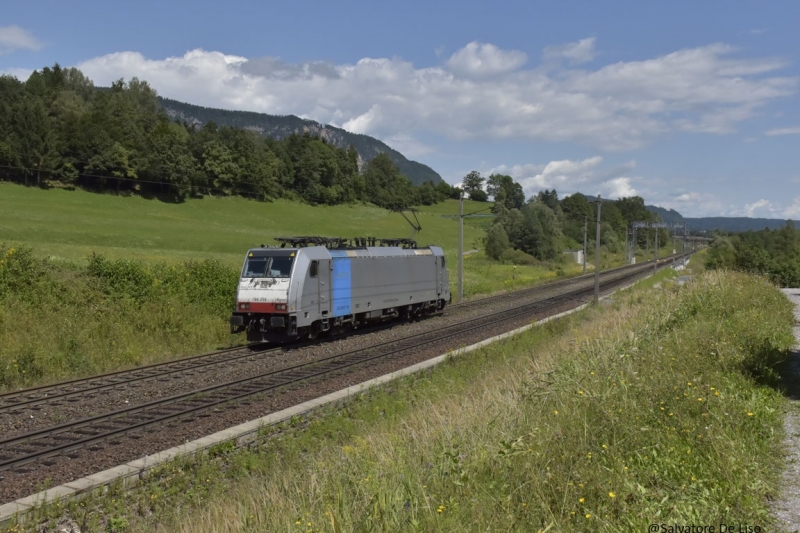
pixel 496 242
pixel 59 320
pixel 518 257
pixel 122 278
pixel 20 272
pixel 208 283
pixel 479 196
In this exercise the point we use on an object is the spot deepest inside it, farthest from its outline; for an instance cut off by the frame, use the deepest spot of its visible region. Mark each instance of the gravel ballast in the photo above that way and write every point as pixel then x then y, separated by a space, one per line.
pixel 27 480
pixel 787 506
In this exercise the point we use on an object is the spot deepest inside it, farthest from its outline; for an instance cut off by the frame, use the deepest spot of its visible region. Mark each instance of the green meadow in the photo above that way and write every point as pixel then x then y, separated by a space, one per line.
pixel 93 283
pixel 71 225
pixel 661 407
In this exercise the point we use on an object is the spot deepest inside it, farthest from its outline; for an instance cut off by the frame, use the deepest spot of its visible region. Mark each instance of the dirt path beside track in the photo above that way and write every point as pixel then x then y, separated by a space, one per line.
pixel 787 507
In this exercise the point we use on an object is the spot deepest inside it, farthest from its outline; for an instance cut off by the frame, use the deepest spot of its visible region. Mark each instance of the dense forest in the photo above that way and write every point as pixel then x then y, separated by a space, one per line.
pixel 541 227
pixel 771 253
pixel 57 129
pixel 281 126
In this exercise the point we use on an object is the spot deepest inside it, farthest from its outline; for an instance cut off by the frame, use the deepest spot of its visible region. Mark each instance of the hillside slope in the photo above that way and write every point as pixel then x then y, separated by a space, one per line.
pixel 718 223
pixel 73 224
pixel 279 127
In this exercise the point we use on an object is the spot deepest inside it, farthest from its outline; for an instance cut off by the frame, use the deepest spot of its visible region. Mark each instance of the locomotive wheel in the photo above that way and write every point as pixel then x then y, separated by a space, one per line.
pixel 313 331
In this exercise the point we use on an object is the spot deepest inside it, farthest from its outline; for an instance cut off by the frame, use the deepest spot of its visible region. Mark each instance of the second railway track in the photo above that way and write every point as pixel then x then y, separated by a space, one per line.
pixel 57 440
pixel 52 394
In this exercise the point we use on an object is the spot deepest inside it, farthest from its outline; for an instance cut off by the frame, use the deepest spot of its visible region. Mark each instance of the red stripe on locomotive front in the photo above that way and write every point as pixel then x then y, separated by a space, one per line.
pixel 262 307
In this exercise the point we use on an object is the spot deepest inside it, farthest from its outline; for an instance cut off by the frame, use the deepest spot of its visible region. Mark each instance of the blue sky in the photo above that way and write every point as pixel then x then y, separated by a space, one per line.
pixel 692 105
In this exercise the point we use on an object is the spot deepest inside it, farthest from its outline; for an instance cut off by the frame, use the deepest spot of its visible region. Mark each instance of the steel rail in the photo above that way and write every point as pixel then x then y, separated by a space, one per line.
pixel 145 373
pixel 41 394
pixel 250 386
pixel 561 282
pixel 133 375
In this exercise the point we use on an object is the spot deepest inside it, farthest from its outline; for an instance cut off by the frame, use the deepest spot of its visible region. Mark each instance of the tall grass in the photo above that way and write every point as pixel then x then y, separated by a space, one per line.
pixel 483 275
pixel 59 320
pixel 662 409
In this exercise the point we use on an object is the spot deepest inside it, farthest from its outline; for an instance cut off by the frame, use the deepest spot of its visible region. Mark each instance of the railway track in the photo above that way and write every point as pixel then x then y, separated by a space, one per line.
pixel 73 389
pixel 66 390
pixel 39 445
pixel 567 281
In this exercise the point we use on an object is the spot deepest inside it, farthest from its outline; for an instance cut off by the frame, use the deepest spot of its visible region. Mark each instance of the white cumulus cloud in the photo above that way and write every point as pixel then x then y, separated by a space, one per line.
pixel 784 131
pixel 793 211
pixel 408 145
pixel 619 188
pixel 690 203
pixel 482 92
pixel 16 38
pixel 565 176
pixel 19 73
pixel 365 122
pixel 576 53
pixel 763 208
pixel 751 210
pixel 485 59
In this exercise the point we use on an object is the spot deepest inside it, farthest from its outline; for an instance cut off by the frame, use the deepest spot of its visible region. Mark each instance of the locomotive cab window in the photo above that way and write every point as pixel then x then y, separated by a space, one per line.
pixel 255 267
pixel 313 270
pixel 442 261
pixel 268 267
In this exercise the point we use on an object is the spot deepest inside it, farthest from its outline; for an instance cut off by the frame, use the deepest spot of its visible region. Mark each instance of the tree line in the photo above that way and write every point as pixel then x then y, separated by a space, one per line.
pixel 57 128
pixel 771 253
pixel 541 227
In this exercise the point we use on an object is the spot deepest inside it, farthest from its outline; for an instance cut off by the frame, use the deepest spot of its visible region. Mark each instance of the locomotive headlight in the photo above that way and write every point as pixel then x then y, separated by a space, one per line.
pixel 244 306
pixel 280 307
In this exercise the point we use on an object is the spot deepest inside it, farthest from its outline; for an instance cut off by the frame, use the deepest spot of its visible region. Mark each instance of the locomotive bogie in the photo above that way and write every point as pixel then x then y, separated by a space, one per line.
pixel 328 290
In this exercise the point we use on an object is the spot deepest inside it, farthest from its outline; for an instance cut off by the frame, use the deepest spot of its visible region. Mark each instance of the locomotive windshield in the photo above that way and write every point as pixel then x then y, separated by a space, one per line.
pixel 267 267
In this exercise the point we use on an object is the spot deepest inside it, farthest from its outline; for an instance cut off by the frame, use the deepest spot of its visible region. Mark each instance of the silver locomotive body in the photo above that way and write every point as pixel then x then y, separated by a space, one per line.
pixel 289 293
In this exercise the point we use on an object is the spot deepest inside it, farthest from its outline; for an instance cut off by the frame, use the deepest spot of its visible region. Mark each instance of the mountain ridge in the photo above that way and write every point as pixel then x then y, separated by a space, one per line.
pixel 707 224
pixel 281 126
pixel 736 224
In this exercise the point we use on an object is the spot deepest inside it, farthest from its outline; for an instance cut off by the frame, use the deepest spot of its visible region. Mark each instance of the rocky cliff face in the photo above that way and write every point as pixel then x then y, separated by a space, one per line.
pixel 278 127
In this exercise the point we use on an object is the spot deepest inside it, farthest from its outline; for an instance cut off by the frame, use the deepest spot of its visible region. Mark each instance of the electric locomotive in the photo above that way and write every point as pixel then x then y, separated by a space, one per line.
pixel 317 285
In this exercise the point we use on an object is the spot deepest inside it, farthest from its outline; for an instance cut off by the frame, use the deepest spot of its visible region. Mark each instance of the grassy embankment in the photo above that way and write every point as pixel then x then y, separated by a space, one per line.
pixel 163 284
pixel 660 408
pixel 71 225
